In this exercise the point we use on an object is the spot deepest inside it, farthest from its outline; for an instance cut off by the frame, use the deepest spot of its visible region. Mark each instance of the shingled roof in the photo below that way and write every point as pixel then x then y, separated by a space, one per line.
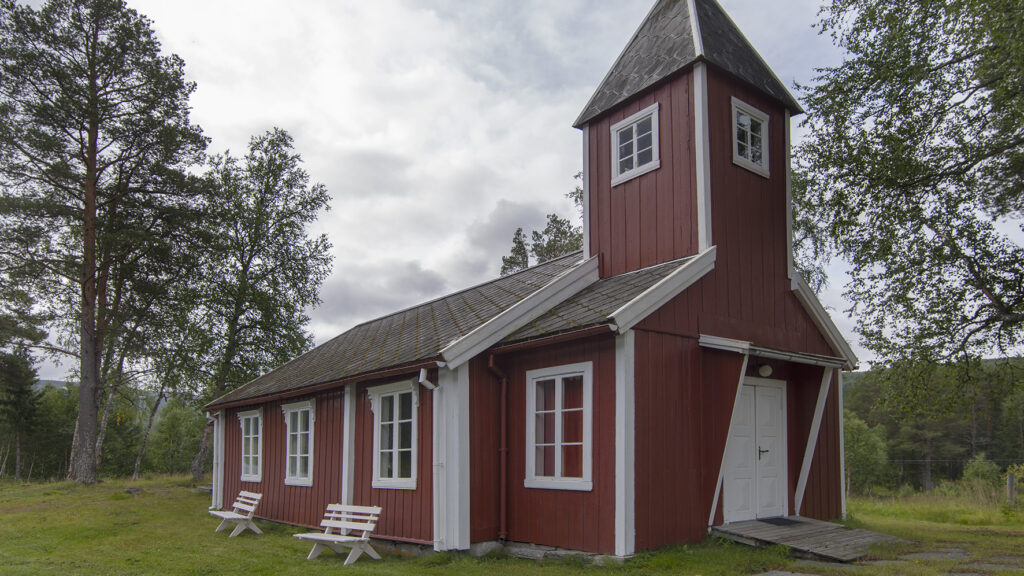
pixel 414 334
pixel 595 304
pixel 675 34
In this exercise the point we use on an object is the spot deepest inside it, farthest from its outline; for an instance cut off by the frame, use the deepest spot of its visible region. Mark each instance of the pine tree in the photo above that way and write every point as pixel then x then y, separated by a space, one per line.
pixel 19 402
pixel 519 258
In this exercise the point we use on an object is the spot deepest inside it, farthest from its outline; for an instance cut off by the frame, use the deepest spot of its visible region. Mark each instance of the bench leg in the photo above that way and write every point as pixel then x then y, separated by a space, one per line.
pixel 317 549
pixel 357 551
pixel 223 524
pixel 238 529
pixel 252 526
pixel 370 551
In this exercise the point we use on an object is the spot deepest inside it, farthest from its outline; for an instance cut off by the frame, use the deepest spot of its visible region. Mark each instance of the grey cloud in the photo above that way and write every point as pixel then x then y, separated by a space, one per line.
pixel 358 293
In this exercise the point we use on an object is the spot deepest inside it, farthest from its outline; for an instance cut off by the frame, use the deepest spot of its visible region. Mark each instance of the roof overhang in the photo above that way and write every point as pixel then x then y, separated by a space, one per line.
pixel 634 311
pixel 822 320
pixel 522 313
pixel 744 347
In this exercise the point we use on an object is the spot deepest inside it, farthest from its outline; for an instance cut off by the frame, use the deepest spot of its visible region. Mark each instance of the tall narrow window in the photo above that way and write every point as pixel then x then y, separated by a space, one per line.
pixel 750 137
pixel 394 435
pixel 635 145
pixel 559 427
pixel 252 444
pixel 299 419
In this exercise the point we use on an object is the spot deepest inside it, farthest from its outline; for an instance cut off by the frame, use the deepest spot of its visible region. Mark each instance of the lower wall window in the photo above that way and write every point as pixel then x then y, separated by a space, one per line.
pixel 299 418
pixel 394 434
pixel 252 444
pixel 559 427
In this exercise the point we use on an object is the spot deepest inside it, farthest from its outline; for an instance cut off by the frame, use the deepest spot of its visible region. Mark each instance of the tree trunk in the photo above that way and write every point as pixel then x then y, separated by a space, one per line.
pixel 17 456
pixel 145 437
pixel 113 387
pixel 83 458
pixel 926 474
pixel 199 463
pixel 219 383
pixel 71 455
pixel 3 462
pixel 102 433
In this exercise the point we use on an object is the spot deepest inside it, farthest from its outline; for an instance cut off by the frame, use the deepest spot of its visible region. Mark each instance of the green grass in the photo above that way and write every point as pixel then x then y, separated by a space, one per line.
pixel 61 528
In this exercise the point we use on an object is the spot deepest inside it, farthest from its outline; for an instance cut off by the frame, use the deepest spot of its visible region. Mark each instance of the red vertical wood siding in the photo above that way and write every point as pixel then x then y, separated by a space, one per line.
pixel 299 505
pixel 652 218
pixel 484 449
pixel 406 514
pixel 823 496
pixel 563 518
pixel 748 295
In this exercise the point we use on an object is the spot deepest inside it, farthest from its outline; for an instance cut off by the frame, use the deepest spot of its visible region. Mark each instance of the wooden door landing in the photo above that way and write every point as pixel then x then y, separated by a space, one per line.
pixel 804 536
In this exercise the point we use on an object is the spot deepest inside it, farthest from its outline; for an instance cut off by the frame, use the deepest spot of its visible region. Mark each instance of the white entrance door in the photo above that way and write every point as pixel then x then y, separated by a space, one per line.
pixel 755 472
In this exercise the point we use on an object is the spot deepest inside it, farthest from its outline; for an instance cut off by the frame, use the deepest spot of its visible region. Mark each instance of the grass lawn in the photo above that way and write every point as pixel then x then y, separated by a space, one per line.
pixel 60 528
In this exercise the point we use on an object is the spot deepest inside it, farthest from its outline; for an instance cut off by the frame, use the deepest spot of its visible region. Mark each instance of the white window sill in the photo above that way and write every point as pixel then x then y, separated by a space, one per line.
pixel 627 176
pixel 748 165
pixel 251 478
pixel 298 481
pixel 559 484
pixel 403 484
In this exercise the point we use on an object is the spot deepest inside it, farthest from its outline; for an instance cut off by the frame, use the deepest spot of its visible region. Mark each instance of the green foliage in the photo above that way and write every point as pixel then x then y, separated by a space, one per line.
pixel 175 438
pixel 519 258
pixel 265 269
pixel 915 169
pixel 980 469
pixel 19 403
pixel 558 238
pixel 867 455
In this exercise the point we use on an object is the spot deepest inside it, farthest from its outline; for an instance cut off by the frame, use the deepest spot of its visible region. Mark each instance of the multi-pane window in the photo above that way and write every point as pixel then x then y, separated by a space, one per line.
pixel 750 137
pixel 252 446
pixel 635 145
pixel 559 427
pixel 298 419
pixel 394 435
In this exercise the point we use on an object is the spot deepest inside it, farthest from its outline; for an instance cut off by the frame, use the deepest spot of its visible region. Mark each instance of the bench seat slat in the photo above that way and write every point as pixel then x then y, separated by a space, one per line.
pixel 353 508
pixel 320 536
pixel 345 525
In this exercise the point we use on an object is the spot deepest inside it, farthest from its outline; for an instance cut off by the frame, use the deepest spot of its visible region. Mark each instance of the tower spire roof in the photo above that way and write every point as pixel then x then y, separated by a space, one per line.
pixel 675 34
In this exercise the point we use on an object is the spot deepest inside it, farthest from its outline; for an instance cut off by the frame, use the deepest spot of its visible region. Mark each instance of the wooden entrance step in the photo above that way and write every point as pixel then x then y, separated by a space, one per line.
pixel 804 536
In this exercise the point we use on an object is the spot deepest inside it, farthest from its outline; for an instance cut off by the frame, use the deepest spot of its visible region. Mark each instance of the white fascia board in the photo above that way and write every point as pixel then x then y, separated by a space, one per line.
pixel 522 313
pixel 727 344
pixel 669 287
pixel 822 320
pixel 698 40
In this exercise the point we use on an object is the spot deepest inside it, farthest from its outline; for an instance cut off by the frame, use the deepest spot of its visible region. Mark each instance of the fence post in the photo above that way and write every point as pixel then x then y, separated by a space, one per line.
pixel 1011 489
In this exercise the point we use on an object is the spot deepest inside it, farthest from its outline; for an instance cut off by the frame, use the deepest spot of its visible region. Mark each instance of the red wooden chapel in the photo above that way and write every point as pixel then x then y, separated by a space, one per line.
pixel 676 375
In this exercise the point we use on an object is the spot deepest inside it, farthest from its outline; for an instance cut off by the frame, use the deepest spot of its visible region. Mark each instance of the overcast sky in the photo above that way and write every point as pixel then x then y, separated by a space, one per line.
pixel 438 127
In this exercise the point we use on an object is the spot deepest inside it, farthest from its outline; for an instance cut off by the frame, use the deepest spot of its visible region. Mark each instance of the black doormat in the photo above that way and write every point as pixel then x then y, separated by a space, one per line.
pixel 780 521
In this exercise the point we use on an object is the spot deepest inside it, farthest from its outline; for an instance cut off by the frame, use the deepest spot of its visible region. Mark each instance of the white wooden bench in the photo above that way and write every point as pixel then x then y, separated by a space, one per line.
pixel 241 514
pixel 346 520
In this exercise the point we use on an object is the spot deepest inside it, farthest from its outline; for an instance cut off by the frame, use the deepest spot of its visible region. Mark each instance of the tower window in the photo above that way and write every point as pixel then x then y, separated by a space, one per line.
pixel 750 137
pixel 635 145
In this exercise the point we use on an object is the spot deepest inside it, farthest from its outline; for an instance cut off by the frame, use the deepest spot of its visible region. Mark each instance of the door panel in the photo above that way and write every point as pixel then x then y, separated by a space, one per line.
pixel 755 475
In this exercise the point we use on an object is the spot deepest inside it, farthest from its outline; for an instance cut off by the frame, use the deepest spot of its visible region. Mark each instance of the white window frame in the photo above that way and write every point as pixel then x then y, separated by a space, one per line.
pixel 760 169
pixel 376 393
pixel 258 416
pixel 287 409
pixel 584 483
pixel 655 163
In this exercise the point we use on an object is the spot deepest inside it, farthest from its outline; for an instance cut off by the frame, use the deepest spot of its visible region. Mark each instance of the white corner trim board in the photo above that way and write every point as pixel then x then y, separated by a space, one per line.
pixel 522 313
pixel 451 459
pixel 348 444
pixel 634 311
pixel 702 136
pixel 625 439
pixel 812 439
pixel 820 316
